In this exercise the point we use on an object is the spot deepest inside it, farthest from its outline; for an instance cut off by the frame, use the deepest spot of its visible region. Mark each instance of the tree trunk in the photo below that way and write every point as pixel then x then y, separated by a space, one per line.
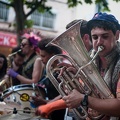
pixel 20 18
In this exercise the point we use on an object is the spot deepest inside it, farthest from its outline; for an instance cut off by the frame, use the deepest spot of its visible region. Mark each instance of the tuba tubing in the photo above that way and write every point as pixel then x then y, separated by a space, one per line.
pixel 71 42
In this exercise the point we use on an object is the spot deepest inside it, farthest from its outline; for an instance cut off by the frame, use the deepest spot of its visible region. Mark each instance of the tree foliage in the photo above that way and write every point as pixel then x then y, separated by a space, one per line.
pixel 40 5
pixel 103 3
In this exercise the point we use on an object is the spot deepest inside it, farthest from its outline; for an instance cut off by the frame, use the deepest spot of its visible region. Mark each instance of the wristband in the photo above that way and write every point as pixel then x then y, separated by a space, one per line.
pixel 84 102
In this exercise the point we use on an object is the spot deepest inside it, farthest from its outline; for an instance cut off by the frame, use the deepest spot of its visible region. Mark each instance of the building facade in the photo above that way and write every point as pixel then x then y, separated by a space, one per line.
pixel 48 24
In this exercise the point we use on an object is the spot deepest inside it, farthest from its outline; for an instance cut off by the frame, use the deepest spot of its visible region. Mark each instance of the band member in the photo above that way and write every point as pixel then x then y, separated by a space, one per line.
pixel 32 66
pixel 16 63
pixel 104 29
pixel 51 93
pixel 3 69
pixel 3 65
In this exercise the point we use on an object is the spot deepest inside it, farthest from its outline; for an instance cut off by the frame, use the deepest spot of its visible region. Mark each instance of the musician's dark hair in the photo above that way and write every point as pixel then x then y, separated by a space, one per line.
pixel 51 49
pixel 4 67
pixel 19 52
pixel 83 28
pixel 105 21
pixel 103 24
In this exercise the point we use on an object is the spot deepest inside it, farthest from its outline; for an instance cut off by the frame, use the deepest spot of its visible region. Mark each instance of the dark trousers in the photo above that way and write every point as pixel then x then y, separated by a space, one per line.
pixel 58 115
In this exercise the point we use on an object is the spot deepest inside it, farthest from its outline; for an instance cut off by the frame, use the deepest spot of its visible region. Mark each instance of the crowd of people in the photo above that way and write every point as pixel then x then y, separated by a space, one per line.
pixel 28 66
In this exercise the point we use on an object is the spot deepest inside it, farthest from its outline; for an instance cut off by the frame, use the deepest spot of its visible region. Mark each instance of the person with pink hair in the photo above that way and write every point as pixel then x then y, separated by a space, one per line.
pixel 32 66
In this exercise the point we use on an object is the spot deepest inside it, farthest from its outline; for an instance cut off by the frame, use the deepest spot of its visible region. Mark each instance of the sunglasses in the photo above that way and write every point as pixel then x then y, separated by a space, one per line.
pixel 23 44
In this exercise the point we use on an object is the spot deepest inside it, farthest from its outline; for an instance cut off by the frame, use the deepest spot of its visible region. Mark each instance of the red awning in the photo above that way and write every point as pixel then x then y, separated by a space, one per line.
pixel 8 39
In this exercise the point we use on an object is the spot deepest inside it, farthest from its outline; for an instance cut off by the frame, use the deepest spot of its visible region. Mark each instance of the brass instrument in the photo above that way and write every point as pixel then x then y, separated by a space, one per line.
pixel 7 81
pixel 72 43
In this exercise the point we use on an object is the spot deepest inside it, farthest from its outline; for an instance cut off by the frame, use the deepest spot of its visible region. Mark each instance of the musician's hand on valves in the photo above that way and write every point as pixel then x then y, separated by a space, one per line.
pixel 64 64
pixel 67 67
pixel 74 99
pixel 12 73
pixel 72 70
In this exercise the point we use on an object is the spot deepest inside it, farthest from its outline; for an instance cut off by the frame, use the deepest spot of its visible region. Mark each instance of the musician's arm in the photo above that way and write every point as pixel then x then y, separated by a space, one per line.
pixel 108 107
pixel 37 72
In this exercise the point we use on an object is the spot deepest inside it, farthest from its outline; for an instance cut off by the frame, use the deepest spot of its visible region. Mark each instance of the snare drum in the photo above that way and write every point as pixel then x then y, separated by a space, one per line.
pixel 19 99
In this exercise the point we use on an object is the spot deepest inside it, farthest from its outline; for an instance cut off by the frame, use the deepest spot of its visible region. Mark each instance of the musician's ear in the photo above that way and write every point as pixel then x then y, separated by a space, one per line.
pixel 86 39
pixel 117 34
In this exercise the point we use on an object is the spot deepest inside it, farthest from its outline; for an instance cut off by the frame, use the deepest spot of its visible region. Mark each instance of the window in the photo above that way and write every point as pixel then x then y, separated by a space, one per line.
pixel 45 20
pixel 3 12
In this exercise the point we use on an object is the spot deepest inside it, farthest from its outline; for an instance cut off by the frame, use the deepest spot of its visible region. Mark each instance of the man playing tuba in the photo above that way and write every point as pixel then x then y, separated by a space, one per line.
pixel 104 29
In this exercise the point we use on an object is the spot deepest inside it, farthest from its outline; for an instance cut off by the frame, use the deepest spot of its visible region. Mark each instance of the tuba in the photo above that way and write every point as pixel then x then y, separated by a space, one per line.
pixel 71 42
pixel 7 81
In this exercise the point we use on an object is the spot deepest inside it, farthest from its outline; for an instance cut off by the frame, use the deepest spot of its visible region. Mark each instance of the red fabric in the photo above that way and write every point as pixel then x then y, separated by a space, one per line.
pixel 45 110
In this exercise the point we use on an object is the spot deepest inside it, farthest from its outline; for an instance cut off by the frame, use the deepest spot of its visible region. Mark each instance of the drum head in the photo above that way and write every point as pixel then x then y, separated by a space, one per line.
pixel 19 97
pixel 15 117
pixel 8 106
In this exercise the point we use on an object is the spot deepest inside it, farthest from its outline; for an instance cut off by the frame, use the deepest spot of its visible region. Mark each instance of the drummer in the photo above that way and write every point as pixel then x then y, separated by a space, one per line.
pixel 51 92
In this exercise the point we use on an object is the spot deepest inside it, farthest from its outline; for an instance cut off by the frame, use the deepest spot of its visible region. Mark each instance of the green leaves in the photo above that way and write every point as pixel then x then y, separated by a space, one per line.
pixel 28 23
pixel 43 9
pixel 117 0
pixel 88 1
pixel 73 3
pixel 103 4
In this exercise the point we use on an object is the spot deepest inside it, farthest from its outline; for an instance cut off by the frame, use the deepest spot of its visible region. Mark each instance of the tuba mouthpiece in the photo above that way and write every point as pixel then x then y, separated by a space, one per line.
pixel 100 48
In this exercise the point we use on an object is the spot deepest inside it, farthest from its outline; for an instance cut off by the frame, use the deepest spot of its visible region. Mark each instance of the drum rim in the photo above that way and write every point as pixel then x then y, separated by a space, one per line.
pixel 20 87
pixel 16 88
